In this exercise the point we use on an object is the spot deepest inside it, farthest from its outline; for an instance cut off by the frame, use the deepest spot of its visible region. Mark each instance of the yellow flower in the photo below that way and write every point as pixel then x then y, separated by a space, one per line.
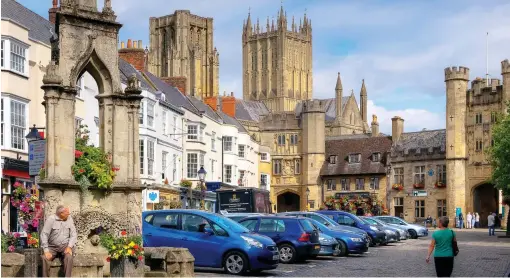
pixel 125 247
pixel 114 247
pixel 130 252
pixel 131 244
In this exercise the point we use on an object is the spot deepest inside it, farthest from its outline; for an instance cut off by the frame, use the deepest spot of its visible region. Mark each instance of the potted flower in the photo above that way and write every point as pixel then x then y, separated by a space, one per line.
pixel 185 183
pixel 92 166
pixel 419 185
pixel 9 242
pixel 439 184
pixel 25 203
pixel 125 254
pixel 397 187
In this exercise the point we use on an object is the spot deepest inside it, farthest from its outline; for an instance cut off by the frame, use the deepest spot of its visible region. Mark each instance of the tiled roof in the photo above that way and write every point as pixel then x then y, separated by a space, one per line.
pixel 250 110
pixel 202 107
pixel 172 94
pixel 364 146
pixel 126 70
pixel 38 27
pixel 330 107
pixel 231 121
pixel 428 140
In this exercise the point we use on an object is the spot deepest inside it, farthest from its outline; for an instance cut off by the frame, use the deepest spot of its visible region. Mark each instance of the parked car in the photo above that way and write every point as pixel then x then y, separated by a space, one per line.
pixel 214 240
pixel 349 242
pixel 325 220
pixel 392 233
pixel 376 235
pixel 414 230
pixel 296 237
pixel 403 234
pixel 329 246
pixel 238 216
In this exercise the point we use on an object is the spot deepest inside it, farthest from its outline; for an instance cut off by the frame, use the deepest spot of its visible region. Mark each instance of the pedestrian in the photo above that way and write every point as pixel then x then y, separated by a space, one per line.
pixel 477 220
pixel 434 223
pixel 490 223
pixel 461 221
pixel 58 239
pixel 473 221
pixel 469 217
pixel 401 215
pixel 442 245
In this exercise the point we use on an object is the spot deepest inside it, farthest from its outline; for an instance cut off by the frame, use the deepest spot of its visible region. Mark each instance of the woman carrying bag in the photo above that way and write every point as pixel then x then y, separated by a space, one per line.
pixel 444 245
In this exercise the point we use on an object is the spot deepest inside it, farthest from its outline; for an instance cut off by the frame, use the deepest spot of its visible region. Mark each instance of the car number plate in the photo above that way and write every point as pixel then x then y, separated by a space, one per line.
pixel 323 249
pixel 317 247
pixel 276 257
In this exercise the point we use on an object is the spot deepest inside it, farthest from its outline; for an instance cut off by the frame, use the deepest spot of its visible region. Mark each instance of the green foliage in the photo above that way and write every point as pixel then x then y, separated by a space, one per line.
pixel 91 163
pixel 500 154
pixel 123 246
pixel 186 183
pixel 5 244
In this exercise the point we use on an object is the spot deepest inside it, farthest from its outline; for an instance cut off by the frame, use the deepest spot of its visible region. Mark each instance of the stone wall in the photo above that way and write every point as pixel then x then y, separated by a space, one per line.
pixel 13 265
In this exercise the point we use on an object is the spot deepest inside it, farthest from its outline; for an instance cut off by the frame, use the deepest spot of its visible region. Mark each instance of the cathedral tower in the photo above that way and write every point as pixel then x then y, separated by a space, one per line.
pixel 277 62
pixel 182 51
pixel 456 86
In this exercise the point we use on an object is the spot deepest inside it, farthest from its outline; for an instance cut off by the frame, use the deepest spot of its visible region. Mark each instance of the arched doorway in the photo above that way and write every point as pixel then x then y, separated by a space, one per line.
pixel 288 201
pixel 485 201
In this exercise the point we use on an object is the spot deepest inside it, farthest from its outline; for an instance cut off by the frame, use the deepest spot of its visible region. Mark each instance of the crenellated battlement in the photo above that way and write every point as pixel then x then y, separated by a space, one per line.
pixel 454 73
pixel 314 106
pixel 505 66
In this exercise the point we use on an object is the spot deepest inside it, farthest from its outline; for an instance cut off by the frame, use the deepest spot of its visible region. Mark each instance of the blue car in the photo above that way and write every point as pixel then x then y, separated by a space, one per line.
pixel 296 237
pixel 325 220
pixel 349 242
pixel 375 234
pixel 214 240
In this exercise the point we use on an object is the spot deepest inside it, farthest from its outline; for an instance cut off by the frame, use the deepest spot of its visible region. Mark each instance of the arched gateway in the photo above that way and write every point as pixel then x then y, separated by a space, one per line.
pixel 86 40
pixel 485 201
pixel 288 201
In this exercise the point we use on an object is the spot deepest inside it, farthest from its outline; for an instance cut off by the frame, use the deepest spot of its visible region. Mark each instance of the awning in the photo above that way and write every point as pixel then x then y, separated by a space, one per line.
pixel 16 173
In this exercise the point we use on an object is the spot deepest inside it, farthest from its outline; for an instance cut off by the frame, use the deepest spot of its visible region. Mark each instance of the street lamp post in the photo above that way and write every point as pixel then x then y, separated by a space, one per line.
pixel 307 196
pixel 33 135
pixel 201 176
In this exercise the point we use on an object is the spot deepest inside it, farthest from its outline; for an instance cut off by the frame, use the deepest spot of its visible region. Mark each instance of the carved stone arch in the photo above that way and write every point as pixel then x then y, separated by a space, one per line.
pixel 93 64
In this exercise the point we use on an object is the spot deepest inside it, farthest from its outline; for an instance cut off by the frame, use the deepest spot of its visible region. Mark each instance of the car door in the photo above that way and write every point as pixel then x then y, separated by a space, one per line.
pixel 272 228
pixel 205 247
pixel 163 230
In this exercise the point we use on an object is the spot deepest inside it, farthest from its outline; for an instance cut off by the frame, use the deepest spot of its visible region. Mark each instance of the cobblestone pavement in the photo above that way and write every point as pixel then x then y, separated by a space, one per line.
pixel 480 255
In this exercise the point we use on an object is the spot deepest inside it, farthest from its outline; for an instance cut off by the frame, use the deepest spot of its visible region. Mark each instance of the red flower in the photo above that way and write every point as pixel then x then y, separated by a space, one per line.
pixel 115 169
pixel 136 247
pixel 108 259
pixel 77 153
pixel 81 171
pixel 140 258
pixel 29 236
pixel 123 233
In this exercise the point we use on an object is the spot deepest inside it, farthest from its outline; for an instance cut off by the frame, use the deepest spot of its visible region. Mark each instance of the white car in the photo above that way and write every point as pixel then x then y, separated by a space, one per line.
pixel 414 230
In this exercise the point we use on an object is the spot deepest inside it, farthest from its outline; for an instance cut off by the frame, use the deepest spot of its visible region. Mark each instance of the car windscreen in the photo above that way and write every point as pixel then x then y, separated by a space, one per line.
pixel 229 224
pixel 370 221
pixel 307 226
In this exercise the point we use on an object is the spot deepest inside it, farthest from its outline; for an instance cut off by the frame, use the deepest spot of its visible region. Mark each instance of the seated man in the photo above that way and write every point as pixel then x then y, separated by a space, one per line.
pixel 58 239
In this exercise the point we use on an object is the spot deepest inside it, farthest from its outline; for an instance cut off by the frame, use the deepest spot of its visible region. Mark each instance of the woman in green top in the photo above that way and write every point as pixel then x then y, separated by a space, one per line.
pixel 442 246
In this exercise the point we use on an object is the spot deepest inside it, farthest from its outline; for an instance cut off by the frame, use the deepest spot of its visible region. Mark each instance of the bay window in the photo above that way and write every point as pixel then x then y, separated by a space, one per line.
pixel 14 56
pixel 150 114
pixel 18 125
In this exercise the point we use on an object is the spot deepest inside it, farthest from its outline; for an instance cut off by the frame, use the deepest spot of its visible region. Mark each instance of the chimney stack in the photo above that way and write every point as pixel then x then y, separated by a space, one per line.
pixel 397 128
pixel 52 12
pixel 228 105
pixel 133 54
pixel 375 126
pixel 140 44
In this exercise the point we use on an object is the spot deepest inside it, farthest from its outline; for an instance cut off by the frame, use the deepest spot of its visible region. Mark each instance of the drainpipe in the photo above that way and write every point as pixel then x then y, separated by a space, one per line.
pixel 222 158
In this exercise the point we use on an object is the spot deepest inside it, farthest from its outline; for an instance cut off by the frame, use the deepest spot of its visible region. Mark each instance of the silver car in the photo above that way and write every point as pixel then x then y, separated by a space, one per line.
pixel 402 233
pixel 414 230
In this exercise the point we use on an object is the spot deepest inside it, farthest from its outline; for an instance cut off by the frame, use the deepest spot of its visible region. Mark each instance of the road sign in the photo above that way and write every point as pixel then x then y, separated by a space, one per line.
pixel 419 193
pixel 36 156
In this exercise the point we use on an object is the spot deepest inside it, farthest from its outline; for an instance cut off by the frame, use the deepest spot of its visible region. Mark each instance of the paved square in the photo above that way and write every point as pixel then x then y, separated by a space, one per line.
pixel 480 255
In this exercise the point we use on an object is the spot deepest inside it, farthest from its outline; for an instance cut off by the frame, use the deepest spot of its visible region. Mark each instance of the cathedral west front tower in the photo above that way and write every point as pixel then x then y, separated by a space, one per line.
pixel 277 62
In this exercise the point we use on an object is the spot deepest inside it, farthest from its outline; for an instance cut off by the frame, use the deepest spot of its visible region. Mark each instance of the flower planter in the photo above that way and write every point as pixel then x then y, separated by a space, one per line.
pixel 419 186
pixel 31 261
pixel 126 267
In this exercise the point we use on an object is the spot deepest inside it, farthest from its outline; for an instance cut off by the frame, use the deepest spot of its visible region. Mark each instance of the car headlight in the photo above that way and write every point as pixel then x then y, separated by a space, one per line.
pixel 356 239
pixel 252 242
pixel 374 228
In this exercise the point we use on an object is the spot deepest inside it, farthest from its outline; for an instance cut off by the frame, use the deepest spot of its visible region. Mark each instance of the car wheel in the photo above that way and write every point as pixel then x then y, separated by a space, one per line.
pixel 413 234
pixel 287 253
pixel 371 241
pixel 343 249
pixel 235 263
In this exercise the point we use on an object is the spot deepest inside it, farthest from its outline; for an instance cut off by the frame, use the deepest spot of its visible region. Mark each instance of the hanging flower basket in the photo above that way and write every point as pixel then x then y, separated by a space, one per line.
pixel 186 183
pixel 397 187
pixel 439 185
pixel 419 185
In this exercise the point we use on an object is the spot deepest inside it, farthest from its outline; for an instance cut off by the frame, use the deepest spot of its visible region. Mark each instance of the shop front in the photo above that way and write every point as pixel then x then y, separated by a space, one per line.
pixel 359 203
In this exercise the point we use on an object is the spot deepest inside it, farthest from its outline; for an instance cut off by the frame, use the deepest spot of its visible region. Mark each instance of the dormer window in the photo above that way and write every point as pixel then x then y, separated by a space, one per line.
pixel 332 159
pixel 355 158
pixel 376 157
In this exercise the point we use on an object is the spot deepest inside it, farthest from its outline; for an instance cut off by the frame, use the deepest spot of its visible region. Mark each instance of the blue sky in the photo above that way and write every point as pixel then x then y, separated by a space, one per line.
pixel 399 47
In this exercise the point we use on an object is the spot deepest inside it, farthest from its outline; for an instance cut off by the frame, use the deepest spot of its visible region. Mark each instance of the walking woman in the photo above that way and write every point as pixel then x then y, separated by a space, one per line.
pixel 477 220
pixel 442 245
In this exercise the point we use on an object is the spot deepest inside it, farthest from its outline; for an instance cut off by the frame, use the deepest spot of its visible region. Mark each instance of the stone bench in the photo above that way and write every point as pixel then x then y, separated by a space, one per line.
pixel 13 265
pixel 84 265
pixel 175 262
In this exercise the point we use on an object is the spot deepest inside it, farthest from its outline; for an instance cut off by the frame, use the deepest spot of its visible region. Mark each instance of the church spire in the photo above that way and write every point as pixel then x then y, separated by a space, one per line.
pixel 338 83
pixel 363 104
pixel 248 27
pixel 338 98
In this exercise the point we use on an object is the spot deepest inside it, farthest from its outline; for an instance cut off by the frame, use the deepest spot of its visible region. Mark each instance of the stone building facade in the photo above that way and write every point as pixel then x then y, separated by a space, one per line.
pixel 277 62
pixel 355 166
pixel 183 54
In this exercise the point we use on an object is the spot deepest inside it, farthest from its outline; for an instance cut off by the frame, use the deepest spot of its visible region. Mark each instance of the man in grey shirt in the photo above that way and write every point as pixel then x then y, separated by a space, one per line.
pixel 490 223
pixel 58 239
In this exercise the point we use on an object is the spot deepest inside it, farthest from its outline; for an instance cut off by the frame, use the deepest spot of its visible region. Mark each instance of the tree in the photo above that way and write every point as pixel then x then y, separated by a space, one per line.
pixel 500 159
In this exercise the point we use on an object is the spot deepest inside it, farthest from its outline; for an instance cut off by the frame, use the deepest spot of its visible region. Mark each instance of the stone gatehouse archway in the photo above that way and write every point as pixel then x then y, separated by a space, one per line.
pixel 288 201
pixel 485 201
